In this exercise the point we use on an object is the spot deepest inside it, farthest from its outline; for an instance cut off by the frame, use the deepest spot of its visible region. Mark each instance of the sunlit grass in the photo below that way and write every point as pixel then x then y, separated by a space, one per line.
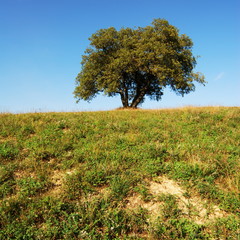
pixel 73 175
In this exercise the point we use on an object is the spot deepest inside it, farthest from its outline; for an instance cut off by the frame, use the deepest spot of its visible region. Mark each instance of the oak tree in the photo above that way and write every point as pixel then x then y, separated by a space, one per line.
pixel 135 63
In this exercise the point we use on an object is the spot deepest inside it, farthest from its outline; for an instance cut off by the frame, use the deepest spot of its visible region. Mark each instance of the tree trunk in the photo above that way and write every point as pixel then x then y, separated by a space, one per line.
pixel 139 97
pixel 124 99
pixel 124 95
pixel 137 100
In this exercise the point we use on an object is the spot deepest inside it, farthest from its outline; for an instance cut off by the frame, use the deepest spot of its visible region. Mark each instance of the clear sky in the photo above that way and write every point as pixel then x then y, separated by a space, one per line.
pixel 42 41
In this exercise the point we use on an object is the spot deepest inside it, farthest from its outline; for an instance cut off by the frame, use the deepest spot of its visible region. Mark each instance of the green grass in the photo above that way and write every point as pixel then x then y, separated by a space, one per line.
pixel 77 175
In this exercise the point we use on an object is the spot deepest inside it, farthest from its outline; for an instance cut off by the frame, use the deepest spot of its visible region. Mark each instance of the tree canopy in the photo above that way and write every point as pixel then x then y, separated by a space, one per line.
pixel 135 63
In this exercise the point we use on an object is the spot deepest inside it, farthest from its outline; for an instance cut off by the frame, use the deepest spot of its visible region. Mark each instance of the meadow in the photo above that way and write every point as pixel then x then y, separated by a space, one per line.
pixel 123 174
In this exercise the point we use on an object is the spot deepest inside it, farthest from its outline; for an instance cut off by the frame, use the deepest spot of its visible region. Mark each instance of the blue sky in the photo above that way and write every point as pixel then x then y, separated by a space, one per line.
pixel 42 41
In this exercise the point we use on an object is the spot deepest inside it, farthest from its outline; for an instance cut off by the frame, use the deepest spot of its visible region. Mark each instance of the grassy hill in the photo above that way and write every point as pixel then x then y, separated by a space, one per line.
pixel 156 174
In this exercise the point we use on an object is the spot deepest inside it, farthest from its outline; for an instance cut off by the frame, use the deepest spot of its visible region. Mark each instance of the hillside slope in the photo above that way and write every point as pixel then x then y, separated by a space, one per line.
pixel 140 174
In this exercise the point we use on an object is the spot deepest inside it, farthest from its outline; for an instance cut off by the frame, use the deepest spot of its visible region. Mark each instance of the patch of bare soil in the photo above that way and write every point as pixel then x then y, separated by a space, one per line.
pixel 194 208
pixel 57 180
